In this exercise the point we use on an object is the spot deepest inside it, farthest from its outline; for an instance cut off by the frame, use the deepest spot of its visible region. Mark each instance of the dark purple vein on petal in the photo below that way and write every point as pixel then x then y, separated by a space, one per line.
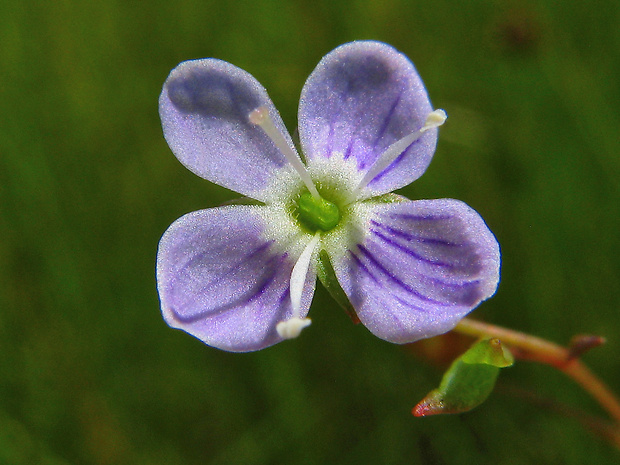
pixel 364 268
pixel 387 120
pixel 440 282
pixel 463 293
pixel 385 307
pixel 410 252
pixel 417 308
pixel 415 238
pixel 254 253
pixel 285 294
pixel 410 217
pixel 349 150
pixel 270 271
pixel 330 139
pixel 372 259
pixel 395 163
pixel 283 299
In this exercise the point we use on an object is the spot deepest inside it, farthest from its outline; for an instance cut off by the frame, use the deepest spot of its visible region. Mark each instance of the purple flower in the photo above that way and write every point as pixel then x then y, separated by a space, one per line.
pixel 241 277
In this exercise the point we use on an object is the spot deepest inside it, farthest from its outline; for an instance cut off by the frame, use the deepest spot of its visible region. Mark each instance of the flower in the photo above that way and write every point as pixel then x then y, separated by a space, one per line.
pixel 241 277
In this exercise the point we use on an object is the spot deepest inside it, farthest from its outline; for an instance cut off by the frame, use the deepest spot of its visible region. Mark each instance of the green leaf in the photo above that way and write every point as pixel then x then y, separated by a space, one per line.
pixel 469 380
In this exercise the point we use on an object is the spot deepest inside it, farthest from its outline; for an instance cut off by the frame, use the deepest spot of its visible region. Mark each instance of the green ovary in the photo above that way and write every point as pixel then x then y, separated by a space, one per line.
pixel 318 213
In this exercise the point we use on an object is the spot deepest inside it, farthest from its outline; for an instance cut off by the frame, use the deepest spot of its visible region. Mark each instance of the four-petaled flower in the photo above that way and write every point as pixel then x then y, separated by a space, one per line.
pixel 241 277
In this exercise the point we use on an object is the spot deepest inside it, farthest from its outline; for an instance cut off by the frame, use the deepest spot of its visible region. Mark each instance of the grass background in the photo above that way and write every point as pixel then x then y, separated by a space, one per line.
pixel 89 372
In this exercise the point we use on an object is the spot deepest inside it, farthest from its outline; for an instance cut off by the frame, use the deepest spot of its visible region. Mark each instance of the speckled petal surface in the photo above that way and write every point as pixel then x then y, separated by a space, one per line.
pixel 204 108
pixel 419 267
pixel 223 277
pixel 361 98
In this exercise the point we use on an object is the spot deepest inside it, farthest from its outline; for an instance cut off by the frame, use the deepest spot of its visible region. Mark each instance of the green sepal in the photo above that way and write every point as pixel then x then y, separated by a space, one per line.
pixel 390 197
pixel 469 380
pixel 327 276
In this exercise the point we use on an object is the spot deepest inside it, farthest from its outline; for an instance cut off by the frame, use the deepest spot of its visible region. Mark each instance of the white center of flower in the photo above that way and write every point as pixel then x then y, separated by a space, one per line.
pixel 316 210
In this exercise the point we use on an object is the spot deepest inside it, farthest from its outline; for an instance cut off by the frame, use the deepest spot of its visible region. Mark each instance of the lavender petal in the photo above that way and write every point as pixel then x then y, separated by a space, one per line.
pixel 421 267
pixel 361 98
pixel 223 280
pixel 204 108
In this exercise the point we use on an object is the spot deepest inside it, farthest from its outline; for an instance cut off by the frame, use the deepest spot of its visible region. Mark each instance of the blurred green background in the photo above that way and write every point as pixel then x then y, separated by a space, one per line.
pixel 89 372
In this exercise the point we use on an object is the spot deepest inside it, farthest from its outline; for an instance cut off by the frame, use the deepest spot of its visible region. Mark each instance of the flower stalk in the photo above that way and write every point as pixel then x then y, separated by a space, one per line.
pixel 566 359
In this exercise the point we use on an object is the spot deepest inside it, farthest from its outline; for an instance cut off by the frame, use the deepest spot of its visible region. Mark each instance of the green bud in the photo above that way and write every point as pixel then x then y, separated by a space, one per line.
pixel 469 380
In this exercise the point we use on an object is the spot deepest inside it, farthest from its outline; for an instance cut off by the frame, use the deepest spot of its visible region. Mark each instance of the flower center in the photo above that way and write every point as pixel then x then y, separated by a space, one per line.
pixel 317 213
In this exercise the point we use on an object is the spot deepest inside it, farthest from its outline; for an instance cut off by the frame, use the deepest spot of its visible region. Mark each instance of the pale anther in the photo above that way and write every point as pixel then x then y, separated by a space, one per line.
pixel 290 329
pixel 433 120
pixel 260 117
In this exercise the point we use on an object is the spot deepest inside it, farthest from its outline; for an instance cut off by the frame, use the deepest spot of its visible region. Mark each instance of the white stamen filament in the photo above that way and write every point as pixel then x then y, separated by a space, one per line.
pixel 433 120
pixel 292 327
pixel 260 117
